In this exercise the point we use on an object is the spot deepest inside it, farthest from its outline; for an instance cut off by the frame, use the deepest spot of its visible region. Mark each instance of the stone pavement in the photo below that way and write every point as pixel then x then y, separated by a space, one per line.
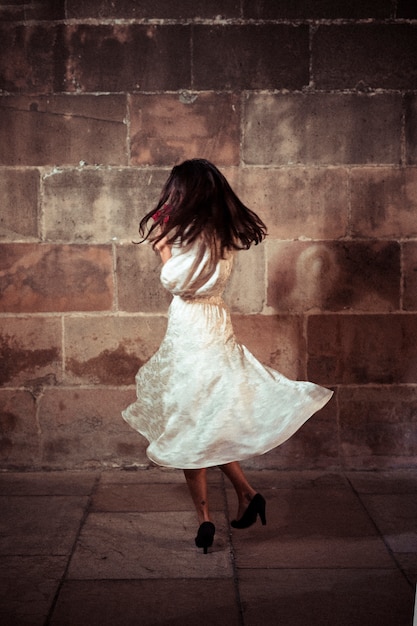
pixel 117 548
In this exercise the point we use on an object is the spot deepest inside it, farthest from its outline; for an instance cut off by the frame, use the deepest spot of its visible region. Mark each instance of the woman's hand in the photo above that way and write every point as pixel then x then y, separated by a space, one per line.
pixel 164 249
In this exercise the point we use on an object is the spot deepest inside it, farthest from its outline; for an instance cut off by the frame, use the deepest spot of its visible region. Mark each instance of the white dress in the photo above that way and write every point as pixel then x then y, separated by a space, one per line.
pixel 203 399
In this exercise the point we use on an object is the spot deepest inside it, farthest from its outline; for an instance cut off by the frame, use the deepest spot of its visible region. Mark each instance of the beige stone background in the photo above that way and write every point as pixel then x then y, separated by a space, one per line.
pixel 310 110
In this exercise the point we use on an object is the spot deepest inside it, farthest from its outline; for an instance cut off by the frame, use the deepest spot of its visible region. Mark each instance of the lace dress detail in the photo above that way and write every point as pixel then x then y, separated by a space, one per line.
pixel 203 399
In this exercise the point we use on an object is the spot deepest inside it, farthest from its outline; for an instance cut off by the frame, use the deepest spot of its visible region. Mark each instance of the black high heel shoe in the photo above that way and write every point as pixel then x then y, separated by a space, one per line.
pixel 205 536
pixel 256 507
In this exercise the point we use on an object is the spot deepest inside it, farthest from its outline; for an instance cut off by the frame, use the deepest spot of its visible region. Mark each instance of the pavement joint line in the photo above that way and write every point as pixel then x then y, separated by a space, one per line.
pixel 73 548
pixel 377 529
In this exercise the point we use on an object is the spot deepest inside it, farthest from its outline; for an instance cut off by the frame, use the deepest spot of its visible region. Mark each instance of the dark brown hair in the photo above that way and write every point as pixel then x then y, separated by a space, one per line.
pixel 197 201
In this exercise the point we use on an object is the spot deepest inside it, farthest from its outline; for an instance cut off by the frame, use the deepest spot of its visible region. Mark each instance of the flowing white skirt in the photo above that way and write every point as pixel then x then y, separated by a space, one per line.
pixel 203 399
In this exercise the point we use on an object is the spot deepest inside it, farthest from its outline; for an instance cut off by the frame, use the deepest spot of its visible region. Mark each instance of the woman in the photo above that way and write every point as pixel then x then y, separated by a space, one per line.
pixel 203 399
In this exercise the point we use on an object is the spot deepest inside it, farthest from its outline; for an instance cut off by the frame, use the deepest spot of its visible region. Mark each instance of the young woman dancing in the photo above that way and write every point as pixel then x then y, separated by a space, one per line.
pixel 203 399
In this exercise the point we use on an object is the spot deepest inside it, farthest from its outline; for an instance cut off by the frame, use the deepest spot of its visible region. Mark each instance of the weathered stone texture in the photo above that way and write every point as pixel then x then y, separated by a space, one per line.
pixel 298 202
pixel 362 349
pixel 410 276
pixel 159 9
pixel 30 352
pixel 275 341
pixel 319 9
pixel 83 428
pixel 167 129
pixel 267 56
pixel 98 205
pixel 19 445
pixel 411 129
pixel 62 130
pixel 109 350
pixel 378 426
pixel 30 57
pixel 132 57
pixel 245 291
pixel 139 287
pixel 322 129
pixel 19 191
pixel 384 202
pixel 365 56
pixel 40 278
pixel 406 9
pixel 334 276
pixel 310 111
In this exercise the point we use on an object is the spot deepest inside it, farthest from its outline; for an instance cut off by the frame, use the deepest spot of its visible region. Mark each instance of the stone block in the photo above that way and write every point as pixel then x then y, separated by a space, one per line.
pixel 109 350
pixel 410 276
pixel 322 129
pixel 362 349
pixel 384 202
pixel 19 204
pixel 298 202
pixel 251 56
pixel 19 443
pixel 98 205
pixel 12 13
pixel 128 57
pixel 406 9
pixel 47 277
pixel 364 56
pixel 83 429
pixel 153 9
pixel 30 352
pixel 411 129
pixel 319 9
pixel 167 129
pixel 245 291
pixel 378 426
pixel 63 130
pixel 334 276
pixel 275 341
pixel 45 10
pixel 138 284
pixel 30 58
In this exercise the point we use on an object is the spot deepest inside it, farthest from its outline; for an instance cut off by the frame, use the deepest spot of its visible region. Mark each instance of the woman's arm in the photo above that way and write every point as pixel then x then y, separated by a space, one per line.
pixel 164 250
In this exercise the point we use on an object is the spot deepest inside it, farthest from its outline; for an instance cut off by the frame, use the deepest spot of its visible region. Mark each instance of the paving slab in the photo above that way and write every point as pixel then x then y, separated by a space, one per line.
pixel 148 545
pixel 150 497
pixel 330 597
pixel 400 481
pixel 295 479
pixel 408 564
pixel 47 483
pixel 175 602
pixel 41 525
pixel 324 527
pixel 395 515
pixel 309 512
pixel 27 588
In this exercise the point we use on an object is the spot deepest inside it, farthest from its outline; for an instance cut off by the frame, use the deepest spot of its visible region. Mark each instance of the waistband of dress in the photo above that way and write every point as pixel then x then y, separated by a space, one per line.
pixel 213 300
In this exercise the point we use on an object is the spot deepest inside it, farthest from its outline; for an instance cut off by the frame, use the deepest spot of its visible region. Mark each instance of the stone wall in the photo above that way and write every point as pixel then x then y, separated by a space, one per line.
pixel 310 109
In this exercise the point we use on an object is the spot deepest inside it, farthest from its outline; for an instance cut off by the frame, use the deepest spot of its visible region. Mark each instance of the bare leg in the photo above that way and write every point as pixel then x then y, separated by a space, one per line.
pixel 197 484
pixel 244 490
